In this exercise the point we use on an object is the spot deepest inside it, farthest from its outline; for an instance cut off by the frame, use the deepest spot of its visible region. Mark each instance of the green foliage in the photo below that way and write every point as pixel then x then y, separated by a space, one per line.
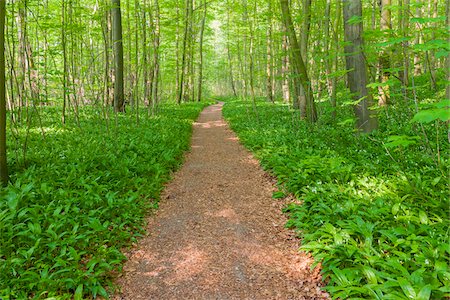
pixel 377 221
pixel 82 198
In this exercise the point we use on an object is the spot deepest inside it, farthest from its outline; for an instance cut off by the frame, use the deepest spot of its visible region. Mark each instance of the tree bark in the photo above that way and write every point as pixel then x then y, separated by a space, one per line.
pixel 269 66
pixel 181 84
pixel 156 44
pixel 3 160
pixel 300 69
pixel 384 59
pixel 200 63
pixel 119 101
pixel 356 66
pixel 447 20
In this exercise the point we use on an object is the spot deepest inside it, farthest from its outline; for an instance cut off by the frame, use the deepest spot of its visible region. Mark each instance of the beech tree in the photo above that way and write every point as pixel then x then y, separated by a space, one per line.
pixel 3 162
pixel 356 65
pixel 307 109
pixel 119 101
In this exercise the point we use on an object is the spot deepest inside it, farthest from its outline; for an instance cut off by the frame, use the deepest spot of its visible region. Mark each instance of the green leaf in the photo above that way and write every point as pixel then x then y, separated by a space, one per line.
pixel 423 217
pixel 430 115
pixel 13 200
pixel 395 208
pixel 395 141
pixel 79 292
pixel 370 275
pixel 278 195
pixel 425 293
pixel 354 20
pixel 407 288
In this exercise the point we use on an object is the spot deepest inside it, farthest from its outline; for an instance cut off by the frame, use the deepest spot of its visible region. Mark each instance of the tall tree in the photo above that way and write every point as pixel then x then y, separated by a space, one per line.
pixel 356 65
pixel 183 69
pixel 447 23
pixel 300 69
pixel 119 101
pixel 200 63
pixel 3 162
pixel 384 59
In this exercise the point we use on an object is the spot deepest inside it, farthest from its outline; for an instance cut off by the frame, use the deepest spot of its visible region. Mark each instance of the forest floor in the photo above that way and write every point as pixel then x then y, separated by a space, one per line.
pixel 218 233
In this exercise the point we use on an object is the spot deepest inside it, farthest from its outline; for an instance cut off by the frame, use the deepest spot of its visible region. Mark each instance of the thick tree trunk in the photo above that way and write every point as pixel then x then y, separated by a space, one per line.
pixel 119 101
pixel 356 66
pixel 310 113
pixel 3 161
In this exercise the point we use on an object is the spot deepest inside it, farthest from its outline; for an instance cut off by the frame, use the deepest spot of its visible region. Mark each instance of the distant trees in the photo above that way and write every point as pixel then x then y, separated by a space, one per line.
pixel 108 53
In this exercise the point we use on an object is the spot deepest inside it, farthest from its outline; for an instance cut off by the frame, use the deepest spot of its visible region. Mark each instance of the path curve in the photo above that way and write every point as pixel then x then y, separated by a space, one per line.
pixel 218 233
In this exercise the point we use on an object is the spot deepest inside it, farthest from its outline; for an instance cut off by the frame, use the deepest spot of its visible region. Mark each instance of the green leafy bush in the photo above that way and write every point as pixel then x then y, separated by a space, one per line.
pixel 376 217
pixel 82 198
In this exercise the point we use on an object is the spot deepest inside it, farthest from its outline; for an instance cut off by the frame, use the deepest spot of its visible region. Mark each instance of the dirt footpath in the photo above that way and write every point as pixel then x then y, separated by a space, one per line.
pixel 218 233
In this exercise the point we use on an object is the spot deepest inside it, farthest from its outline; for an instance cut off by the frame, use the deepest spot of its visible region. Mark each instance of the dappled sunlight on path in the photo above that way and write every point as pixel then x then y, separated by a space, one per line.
pixel 218 233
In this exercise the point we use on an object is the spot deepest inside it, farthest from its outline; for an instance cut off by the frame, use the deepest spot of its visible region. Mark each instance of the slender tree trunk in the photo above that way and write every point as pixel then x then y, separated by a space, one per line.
pixel 252 58
pixel 384 59
pixel 269 66
pixel 405 48
pixel 300 68
pixel 356 66
pixel 447 20
pixel 181 84
pixel 419 40
pixel 285 70
pixel 200 63
pixel 156 44
pixel 65 66
pixel 119 101
pixel 177 49
pixel 304 40
pixel 3 161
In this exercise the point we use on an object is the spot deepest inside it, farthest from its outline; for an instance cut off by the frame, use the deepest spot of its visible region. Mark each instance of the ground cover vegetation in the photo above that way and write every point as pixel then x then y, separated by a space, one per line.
pixel 88 130
pixel 374 212
pixel 81 197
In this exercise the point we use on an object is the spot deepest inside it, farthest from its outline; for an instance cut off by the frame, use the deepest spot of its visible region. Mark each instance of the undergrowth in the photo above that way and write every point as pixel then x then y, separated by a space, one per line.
pixel 374 208
pixel 80 195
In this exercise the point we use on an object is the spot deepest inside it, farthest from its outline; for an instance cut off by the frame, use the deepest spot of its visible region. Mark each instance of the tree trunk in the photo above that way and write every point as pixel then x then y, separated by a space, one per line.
pixel 200 63
pixel 269 66
pixel 419 40
pixel 181 84
pixel 119 103
pixel 384 59
pixel 3 161
pixel 285 70
pixel 300 69
pixel 156 44
pixel 356 66
pixel 65 66
pixel 447 20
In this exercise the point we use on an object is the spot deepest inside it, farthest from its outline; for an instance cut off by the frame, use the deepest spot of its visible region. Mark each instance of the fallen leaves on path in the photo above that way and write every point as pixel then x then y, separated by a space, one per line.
pixel 218 233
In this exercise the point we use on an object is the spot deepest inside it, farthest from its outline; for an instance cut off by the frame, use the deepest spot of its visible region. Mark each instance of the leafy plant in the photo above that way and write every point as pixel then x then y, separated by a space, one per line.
pixel 82 198
pixel 379 226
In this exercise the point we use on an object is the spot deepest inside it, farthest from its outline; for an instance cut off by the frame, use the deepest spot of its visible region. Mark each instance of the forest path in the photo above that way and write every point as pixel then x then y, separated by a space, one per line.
pixel 218 233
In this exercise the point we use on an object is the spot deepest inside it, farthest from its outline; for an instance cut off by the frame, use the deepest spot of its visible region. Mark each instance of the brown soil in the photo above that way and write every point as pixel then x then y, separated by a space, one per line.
pixel 218 233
